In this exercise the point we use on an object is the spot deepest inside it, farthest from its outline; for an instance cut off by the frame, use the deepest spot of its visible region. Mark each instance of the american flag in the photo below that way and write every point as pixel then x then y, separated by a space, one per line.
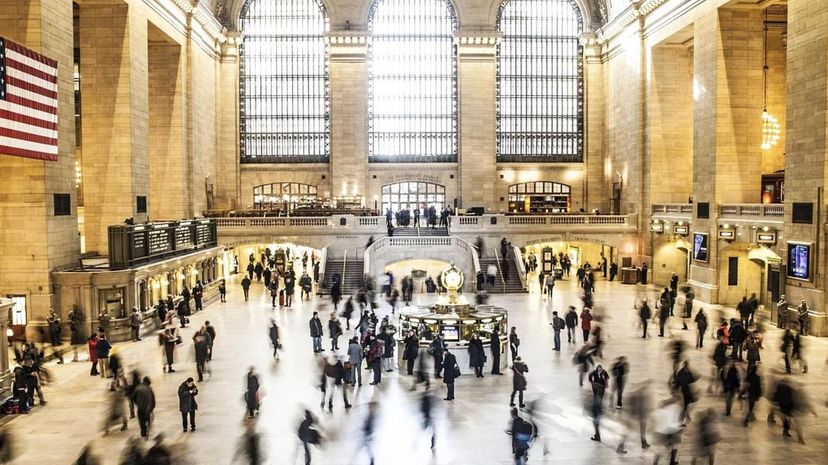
pixel 28 103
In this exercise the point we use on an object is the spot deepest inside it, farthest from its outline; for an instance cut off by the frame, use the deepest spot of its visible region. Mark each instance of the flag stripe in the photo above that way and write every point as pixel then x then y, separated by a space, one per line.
pixel 28 77
pixel 28 137
pixel 5 149
pixel 26 145
pixel 15 108
pixel 22 92
pixel 12 116
pixel 28 61
pixel 15 47
pixel 29 128
pixel 12 98
pixel 20 84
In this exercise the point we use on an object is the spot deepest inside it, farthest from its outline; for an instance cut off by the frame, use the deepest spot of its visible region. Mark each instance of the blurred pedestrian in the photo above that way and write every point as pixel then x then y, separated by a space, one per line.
pixel 144 399
pixel 201 346
pixel 586 323
pixel 159 453
pixel 116 411
pixel 273 334
pixel 496 348
pixel 707 436
pixel 523 434
pixel 169 338
pixel 411 345
pixel 732 385
pixel 308 435
pixel 619 371
pixel 355 353
pixel 599 379
pixel 250 445
pixel 514 343
pixel 644 315
pixel 87 457
pixel 701 327
pixel 251 393
pixel 427 416
pixel 753 389
pixel 684 380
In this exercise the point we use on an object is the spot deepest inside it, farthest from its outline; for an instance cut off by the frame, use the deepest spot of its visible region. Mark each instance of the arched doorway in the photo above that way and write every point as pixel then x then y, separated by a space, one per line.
pixel 539 197
pixel 670 255
pixel 743 270
pixel 410 195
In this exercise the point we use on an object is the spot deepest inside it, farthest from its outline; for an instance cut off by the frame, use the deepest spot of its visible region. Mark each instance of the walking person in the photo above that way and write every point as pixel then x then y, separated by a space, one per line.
pixel 586 323
pixel 144 399
pixel 753 389
pixel 76 319
pixel 477 355
pixel 496 348
pixel 550 285
pixel 308 435
pixel 571 320
pixel 437 348
pixel 222 288
pixel 251 393
pixel 701 327
pixel 664 306
pixel 102 350
pixel 245 284
pixel 334 331
pixel 355 353
pixel 135 324
pixel 557 325
pixel 376 349
pixel 599 379
pixel 514 343
pixel 169 339
pixel 187 404
pixel 250 445
pixel 92 345
pixel 273 335
pixel 411 344
pixel 619 370
pixel 315 326
pixel 523 434
pixel 731 385
pixel 684 380
pixel 211 340
pixel 202 351
pixel 644 315
pixel 450 373
pixel 54 325
pixel 519 370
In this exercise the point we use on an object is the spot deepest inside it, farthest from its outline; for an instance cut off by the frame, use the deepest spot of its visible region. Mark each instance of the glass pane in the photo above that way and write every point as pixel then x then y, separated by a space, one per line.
pixel 539 106
pixel 412 83
pixel 283 82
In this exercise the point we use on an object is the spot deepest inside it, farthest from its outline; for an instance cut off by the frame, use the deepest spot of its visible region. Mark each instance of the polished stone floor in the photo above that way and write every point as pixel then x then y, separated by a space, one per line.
pixel 469 430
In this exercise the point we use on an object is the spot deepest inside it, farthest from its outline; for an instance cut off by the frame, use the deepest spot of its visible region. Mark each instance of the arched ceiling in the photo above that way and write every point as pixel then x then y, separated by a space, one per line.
pixel 473 13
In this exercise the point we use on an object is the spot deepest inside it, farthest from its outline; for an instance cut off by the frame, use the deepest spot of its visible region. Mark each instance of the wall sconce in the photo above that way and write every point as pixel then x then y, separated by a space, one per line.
pixel 657 227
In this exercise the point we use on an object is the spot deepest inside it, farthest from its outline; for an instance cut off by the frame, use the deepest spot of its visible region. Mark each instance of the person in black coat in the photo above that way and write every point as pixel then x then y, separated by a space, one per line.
pixel 753 388
pixel 737 338
pixel 437 347
pixel 613 271
pixel 411 344
pixel 251 395
pixel 644 314
pixel 477 355
pixel 315 326
pixel 519 370
pixel 187 404
pixel 451 373
pixel 571 319
pixel 245 284
pixel 732 385
pixel 494 344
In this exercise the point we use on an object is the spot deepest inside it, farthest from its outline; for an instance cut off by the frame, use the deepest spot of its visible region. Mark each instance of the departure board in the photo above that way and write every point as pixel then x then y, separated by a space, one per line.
pixel 131 245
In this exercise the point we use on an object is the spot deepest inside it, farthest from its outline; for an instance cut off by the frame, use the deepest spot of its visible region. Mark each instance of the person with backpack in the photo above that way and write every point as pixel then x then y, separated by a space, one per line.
pixel 135 324
pixel 557 325
pixel 701 325
pixel 523 434
pixel 519 370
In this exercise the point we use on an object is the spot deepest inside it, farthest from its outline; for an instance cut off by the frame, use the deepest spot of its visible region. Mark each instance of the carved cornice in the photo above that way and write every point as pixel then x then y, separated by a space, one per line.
pixel 343 38
pixel 477 38
pixel 202 15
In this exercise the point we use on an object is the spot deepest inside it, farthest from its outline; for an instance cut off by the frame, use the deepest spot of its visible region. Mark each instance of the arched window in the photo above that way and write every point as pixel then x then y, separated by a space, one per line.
pixel 412 195
pixel 283 82
pixel 412 84
pixel 539 197
pixel 540 85
pixel 283 196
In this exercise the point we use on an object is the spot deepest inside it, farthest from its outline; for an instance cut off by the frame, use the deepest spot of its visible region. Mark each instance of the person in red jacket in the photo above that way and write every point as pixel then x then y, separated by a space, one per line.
pixel 586 323
pixel 92 342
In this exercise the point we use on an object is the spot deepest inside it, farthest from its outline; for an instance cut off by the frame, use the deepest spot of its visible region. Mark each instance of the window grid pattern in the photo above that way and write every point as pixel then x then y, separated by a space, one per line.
pixel 412 84
pixel 412 195
pixel 283 196
pixel 540 85
pixel 283 85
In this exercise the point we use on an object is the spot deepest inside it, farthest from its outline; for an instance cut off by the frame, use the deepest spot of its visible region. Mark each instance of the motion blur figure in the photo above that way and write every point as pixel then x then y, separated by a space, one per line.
pixel 668 427
pixel 87 457
pixel 707 436
pixel 250 445
pixel 369 427
pixel 7 446
pixel 427 402
pixel 523 434
pixel 791 402
pixel 116 411
pixel 308 435
pixel 637 413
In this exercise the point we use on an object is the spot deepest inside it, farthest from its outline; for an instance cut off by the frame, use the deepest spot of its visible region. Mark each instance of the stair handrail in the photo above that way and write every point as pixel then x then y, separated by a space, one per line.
pixel 323 262
pixel 499 270
pixel 521 267
pixel 344 262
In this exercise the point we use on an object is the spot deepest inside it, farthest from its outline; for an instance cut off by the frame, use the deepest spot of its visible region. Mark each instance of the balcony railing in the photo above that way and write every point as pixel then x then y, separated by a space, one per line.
pixel 496 223
pixel 673 209
pixel 754 210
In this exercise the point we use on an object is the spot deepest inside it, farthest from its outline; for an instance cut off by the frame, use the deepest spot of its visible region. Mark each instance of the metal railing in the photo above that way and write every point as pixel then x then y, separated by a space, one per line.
pixel 521 267
pixel 686 208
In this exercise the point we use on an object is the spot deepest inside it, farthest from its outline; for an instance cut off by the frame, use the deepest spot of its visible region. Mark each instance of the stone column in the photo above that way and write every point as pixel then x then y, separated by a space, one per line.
pixel 595 192
pixel 476 81
pixel 727 129
pixel 168 160
pixel 807 140
pixel 34 240
pixel 228 191
pixel 348 71
pixel 113 43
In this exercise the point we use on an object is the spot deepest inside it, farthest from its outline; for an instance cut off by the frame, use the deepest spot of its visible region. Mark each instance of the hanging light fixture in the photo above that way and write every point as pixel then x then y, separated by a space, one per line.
pixel 771 129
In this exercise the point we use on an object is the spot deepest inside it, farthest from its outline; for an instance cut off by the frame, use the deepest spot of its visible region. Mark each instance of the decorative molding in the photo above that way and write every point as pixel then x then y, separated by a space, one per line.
pixel 339 38
pixel 466 38
pixel 617 25
pixel 648 6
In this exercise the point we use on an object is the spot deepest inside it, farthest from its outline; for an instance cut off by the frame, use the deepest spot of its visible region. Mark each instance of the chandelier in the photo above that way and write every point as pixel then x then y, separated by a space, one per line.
pixel 771 129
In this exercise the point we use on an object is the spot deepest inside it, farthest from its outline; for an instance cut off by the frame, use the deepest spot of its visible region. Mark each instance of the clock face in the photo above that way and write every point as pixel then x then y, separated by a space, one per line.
pixel 453 278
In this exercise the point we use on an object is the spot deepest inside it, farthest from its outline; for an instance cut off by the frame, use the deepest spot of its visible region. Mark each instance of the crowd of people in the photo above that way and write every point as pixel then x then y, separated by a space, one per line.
pixel 738 371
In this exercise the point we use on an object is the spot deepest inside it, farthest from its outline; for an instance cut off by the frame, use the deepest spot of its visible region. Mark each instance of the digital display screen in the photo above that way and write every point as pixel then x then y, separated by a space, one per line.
pixel 451 332
pixel 700 247
pixel 799 261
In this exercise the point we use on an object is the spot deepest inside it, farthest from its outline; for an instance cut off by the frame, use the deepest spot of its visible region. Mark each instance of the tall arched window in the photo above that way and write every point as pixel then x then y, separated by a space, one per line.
pixel 283 82
pixel 540 84
pixel 412 84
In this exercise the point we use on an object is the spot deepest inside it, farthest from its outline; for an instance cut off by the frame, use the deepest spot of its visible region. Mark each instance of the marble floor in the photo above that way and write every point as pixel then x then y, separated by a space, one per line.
pixel 469 430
